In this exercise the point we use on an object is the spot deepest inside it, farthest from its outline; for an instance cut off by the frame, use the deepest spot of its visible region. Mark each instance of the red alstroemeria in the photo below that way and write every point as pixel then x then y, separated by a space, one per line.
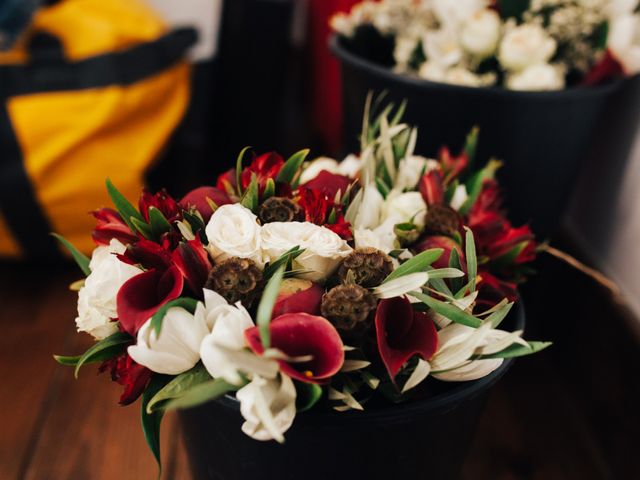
pixel 198 199
pixel 329 183
pixel 227 182
pixel 126 372
pixel 109 226
pixel 604 70
pixel 317 208
pixel 299 335
pixel 148 254
pixel 193 262
pixel 341 228
pixel 298 296
pixel 431 187
pixel 520 238
pixel 452 166
pixel 264 167
pixel 163 202
pixel 141 296
pixel 447 244
pixel 402 333
pixel 491 290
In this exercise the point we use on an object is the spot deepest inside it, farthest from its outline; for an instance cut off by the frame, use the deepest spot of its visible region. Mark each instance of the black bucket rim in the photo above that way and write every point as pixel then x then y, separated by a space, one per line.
pixel 345 55
pixel 405 411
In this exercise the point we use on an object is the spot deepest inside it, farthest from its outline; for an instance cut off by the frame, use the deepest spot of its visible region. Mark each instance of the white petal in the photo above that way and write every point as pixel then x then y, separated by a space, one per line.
pixel 402 285
pixel 471 371
pixel 418 375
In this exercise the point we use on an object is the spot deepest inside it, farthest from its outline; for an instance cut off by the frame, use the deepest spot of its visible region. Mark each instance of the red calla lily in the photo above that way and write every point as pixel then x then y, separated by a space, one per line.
pixel 109 226
pixel 198 199
pixel 329 183
pixel 432 187
pixel 193 262
pixel 163 202
pixel 126 372
pixel 298 296
pixel 402 333
pixel 141 296
pixel 265 167
pixel 301 334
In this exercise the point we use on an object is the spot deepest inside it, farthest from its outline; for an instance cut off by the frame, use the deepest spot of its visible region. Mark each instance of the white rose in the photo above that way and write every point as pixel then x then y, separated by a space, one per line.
pixel 453 12
pixel 624 42
pixel 403 50
pixel 343 24
pixel 462 76
pixel 350 166
pixel 268 407
pixel 617 8
pixel 318 165
pixel 411 169
pixel 223 351
pixel 442 46
pixel 432 71
pixel 323 248
pixel 177 348
pixel 381 238
pixel 525 45
pixel 97 298
pixel 481 33
pixel 405 207
pixel 233 231
pixel 542 76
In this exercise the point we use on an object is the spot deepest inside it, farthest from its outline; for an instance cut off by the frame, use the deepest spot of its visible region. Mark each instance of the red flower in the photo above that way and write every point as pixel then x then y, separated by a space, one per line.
pixel 341 228
pixel 227 182
pixel 265 167
pixel 198 199
pixel 193 262
pixel 163 202
pixel 447 244
pixel 110 225
pixel 298 296
pixel 520 239
pixel 431 187
pixel 329 183
pixel 452 166
pixel 402 333
pixel 491 290
pixel 301 334
pixel 148 254
pixel 317 208
pixel 606 69
pixel 141 296
pixel 126 372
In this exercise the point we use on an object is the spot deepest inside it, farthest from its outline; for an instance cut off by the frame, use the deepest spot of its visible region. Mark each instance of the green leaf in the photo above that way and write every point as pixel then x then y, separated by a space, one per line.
pixel 399 113
pixel 445 273
pixel 382 187
pixel 143 227
pixel 471 145
pixel 308 394
pixel 472 260
pixel 419 263
pixel 81 259
pixel 159 223
pixel 250 198
pixel 475 183
pixel 602 35
pixel 178 387
pixel 513 8
pixel 197 225
pixel 105 349
pixel 454 262
pixel 124 207
pixel 151 421
pixel 67 361
pixel 517 350
pixel 189 304
pixel 441 286
pixel 201 393
pixel 289 171
pixel 499 315
pixel 283 260
pixel 269 189
pixel 448 310
pixel 239 162
pixel 265 308
pixel 509 257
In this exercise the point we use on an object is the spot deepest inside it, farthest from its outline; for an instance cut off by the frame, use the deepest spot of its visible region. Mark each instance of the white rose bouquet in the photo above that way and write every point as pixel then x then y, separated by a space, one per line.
pixel 520 45
pixel 292 285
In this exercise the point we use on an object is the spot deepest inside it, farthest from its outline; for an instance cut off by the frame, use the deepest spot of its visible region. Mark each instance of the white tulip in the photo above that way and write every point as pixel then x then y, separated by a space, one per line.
pixel 323 249
pixel 542 76
pixel 233 231
pixel 624 41
pixel 525 45
pixel 268 407
pixel 97 298
pixel 481 33
pixel 177 348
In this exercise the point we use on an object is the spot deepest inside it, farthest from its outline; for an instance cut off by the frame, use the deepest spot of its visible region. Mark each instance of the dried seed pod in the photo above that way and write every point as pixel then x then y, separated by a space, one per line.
pixel 369 267
pixel 349 308
pixel 442 220
pixel 280 209
pixel 236 279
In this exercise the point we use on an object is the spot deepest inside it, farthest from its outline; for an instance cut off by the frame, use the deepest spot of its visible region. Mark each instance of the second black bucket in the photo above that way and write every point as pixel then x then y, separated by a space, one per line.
pixel 542 137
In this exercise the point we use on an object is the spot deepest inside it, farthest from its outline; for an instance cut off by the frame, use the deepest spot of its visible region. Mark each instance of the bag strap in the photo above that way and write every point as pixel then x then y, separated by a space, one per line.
pixel 49 71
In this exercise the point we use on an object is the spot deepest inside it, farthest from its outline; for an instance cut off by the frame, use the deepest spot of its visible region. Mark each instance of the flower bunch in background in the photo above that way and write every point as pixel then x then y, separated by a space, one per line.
pixel 520 45
pixel 293 284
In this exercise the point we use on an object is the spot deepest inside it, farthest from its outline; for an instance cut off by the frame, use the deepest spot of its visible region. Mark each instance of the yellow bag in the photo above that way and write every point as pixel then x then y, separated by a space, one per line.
pixel 95 90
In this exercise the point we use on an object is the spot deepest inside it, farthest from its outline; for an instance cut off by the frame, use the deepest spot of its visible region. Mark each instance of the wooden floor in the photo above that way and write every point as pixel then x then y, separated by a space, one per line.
pixel 569 413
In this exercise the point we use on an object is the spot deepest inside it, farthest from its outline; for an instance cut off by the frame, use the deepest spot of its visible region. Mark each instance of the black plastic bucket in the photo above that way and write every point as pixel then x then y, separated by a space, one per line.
pixel 542 137
pixel 426 438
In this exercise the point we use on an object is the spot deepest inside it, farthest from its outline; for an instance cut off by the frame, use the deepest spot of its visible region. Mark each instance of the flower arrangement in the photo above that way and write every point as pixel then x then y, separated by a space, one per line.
pixel 519 45
pixel 292 283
